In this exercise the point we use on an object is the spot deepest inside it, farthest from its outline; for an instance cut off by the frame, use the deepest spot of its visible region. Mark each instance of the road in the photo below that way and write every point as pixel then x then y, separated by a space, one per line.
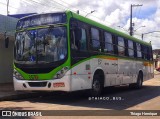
pixel 146 98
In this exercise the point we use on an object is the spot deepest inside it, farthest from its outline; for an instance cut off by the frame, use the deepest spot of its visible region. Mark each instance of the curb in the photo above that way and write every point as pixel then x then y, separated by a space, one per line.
pixel 156 73
pixel 24 96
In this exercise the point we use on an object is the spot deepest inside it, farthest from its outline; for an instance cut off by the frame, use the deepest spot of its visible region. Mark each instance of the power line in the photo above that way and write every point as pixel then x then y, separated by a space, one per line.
pixel 60 4
pixel 64 7
pixel 147 35
pixel 66 3
pixel 9 5
pixel 72 6
pixel 82 10
pixel 35 2
pixel 43 6
pixel 53 7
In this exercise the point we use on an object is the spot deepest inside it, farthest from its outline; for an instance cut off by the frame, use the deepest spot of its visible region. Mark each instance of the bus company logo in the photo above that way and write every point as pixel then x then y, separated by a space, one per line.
pixel 33 77
pixel 6 113
pixel 60 84
pixel 21 113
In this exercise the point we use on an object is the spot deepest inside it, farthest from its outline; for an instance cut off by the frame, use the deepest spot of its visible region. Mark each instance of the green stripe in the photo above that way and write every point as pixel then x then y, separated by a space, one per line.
pixel 110 56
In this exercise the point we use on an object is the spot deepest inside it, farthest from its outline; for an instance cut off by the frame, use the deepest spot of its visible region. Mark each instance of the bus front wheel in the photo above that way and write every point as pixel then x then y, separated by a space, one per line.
pixel 97 86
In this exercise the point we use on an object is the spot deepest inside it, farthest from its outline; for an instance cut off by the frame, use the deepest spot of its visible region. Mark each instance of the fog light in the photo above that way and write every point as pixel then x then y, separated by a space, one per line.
pixel 24 85
pixel 49 85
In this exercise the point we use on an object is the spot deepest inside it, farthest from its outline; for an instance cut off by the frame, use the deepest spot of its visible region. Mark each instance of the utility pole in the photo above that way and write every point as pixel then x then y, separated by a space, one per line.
pixel 142 35
pixel 131 24
pixel 148 33
pixel 77 11
pixel 7 7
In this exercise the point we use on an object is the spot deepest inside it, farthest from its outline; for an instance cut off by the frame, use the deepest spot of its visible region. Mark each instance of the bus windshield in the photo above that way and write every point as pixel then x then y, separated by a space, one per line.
pixel 41 45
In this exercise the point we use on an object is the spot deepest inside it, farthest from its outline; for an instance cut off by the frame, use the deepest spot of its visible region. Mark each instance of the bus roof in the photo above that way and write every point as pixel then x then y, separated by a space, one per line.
pixel 94 23
pixel 109 29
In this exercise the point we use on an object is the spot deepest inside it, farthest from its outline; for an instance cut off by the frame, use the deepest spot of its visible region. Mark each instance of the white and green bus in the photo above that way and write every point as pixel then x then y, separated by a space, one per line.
pixel 65 51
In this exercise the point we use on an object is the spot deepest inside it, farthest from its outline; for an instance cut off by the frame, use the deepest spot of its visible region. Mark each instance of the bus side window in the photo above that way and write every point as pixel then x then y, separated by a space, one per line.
pixel 108 43
pixel 126 47
pixel 145 52
pixel 121 46
pixel 150 54
pixel 139 50
pixel 130 48
pixel 83 40
pixel 95 39
pixel 115 44
pixel 79 39
pixel 73 42
pixel 135 49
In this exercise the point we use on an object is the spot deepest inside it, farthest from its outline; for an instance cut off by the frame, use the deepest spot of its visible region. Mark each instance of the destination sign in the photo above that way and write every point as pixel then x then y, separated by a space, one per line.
pixel 43 19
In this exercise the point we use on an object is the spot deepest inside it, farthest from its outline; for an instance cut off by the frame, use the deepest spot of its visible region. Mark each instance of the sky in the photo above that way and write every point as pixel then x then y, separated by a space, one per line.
pixel 113 13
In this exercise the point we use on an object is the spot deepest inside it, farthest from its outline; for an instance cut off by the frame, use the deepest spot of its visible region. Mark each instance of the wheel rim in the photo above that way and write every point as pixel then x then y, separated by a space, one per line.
pixel 96 86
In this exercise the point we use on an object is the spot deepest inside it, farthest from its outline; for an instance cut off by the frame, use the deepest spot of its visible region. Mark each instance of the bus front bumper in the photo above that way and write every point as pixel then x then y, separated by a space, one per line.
pixel 62 84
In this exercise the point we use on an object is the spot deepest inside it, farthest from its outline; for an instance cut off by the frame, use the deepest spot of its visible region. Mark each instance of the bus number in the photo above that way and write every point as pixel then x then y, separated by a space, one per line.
pixel 33 77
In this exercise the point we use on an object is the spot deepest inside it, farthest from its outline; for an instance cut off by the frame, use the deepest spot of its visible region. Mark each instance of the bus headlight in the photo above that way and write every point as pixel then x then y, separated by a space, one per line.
pixel 17 75
pixel 61 73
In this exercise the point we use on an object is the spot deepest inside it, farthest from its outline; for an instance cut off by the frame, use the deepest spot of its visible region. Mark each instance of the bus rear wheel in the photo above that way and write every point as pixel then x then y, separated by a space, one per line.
pixel 139 82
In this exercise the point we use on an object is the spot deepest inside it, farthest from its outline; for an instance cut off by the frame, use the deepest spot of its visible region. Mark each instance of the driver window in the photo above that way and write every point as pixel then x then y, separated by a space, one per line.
pixel 83 40
pixel 79 40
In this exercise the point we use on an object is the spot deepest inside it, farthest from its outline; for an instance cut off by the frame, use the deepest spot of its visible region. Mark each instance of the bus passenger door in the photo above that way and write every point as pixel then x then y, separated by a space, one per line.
pixel 80 77
pixel 111 62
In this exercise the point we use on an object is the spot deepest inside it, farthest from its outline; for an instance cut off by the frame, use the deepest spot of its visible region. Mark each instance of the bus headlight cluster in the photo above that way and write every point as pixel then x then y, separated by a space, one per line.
pixel 17 75
pixel 61 73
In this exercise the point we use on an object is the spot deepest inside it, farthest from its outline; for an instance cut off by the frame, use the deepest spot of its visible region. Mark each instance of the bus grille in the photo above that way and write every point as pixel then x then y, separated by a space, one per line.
pixel 37 84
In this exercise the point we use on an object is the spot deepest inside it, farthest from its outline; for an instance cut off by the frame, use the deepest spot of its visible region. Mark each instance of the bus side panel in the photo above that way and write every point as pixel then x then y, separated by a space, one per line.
pixel 81 76
pixel 126 71
pixel 148 70
pixel 109 66
pixel 110 69
pixel 133 71
pixel 123 68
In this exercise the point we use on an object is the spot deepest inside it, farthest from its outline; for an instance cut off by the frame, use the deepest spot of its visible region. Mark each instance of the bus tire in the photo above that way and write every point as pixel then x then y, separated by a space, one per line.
pixel 139 83
pixel 97 85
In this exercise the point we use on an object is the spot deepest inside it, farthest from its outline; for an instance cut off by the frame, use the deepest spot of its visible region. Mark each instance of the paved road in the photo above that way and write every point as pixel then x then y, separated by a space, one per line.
pixel 146 98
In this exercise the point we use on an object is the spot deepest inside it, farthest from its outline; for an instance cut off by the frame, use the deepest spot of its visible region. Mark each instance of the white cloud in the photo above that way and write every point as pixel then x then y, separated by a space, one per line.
pixel 13 6
pixel 114 17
